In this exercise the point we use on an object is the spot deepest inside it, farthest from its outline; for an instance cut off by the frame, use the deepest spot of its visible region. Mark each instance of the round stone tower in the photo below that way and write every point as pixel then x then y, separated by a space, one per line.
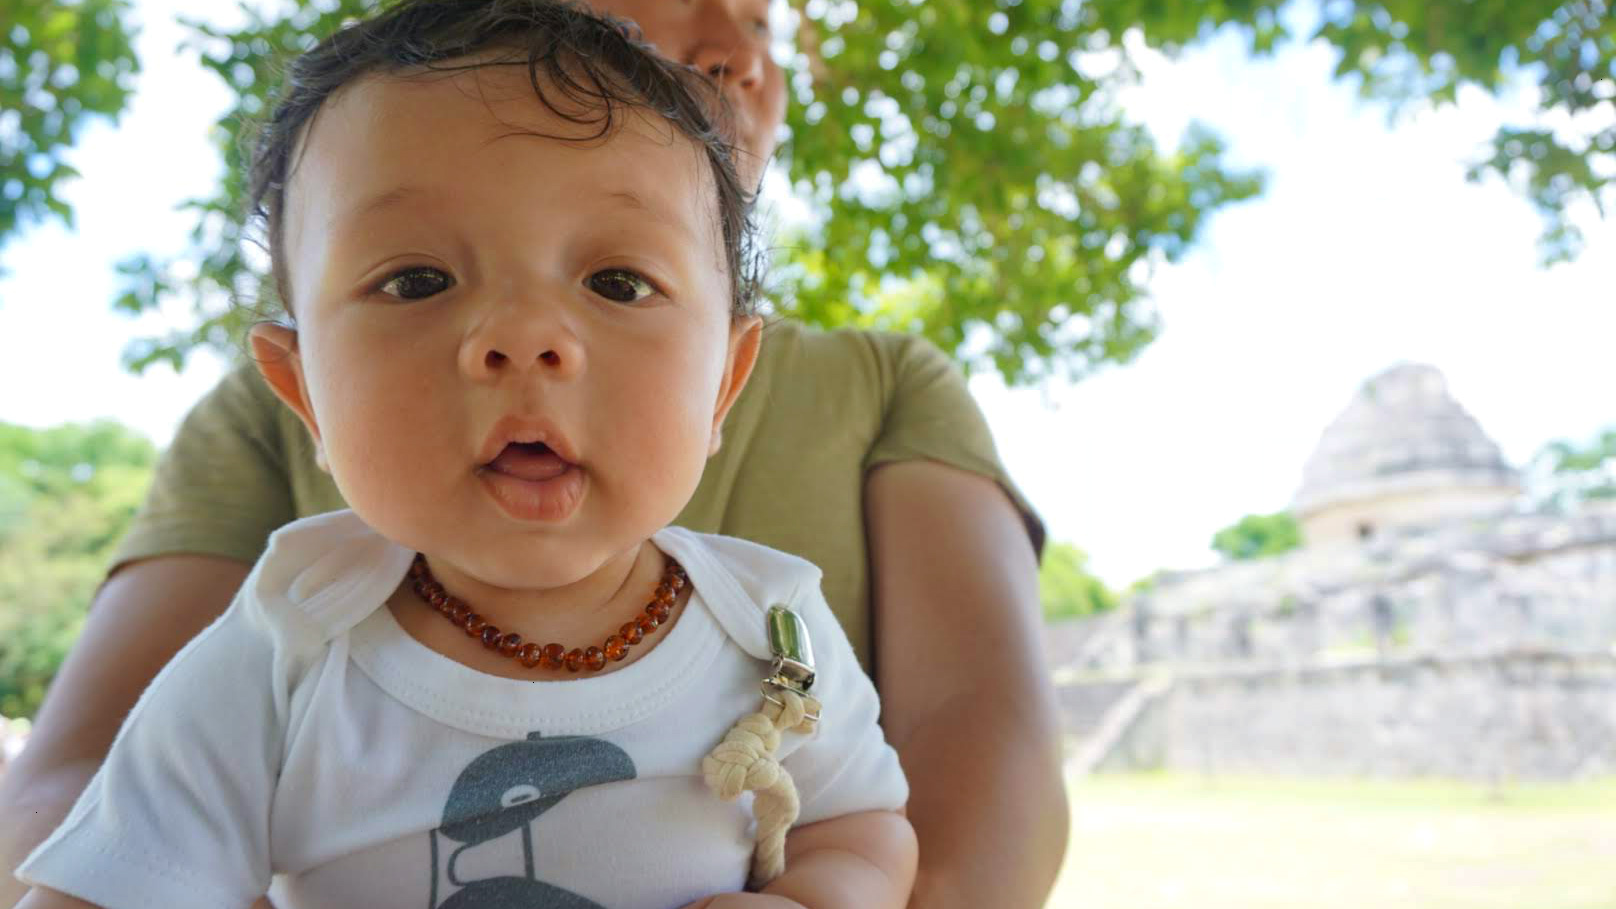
pixel 1403 452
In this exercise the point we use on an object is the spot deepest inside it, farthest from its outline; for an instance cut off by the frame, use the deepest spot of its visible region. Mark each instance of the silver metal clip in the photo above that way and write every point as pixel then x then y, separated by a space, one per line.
pixel 793 667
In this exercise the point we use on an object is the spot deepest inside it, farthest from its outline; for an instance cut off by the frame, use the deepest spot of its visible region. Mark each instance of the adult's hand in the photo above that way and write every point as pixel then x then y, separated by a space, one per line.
pixel 966 696
pixel 141 617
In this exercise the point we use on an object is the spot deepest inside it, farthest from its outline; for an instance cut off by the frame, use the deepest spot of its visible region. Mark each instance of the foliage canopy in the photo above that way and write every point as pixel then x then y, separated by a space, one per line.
pixel 1257 536
pixel 1405 52
pixel 60 64
pixel 969 171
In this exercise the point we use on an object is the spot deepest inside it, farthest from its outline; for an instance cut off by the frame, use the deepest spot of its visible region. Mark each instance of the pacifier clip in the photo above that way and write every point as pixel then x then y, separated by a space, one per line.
pixel 744 761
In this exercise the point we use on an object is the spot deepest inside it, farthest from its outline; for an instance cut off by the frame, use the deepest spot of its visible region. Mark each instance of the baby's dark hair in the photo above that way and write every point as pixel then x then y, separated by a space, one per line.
pixel 595 63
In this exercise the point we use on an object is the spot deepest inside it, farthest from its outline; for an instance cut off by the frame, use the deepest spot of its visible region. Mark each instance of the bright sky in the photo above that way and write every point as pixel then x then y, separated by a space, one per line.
pixel 1369 248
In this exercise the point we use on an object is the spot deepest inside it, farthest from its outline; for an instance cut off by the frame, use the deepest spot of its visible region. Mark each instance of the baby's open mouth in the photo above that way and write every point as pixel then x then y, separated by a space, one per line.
pixel 529 461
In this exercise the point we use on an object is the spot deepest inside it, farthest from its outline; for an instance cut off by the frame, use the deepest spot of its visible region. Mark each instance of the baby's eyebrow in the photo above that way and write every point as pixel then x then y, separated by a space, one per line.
pixel 400 195
pixel 656 213
pixel 383 201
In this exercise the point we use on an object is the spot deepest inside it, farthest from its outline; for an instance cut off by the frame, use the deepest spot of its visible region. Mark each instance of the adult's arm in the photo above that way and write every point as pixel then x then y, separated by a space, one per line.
pixel 140 618
pixel 966 697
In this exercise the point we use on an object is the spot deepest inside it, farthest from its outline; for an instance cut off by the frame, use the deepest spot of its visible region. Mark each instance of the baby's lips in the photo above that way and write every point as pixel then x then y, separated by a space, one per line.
pixel 532 432
pixel 530 461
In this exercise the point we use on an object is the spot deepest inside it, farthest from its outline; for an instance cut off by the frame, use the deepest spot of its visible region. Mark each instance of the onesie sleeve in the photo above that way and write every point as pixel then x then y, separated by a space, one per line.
pixel 846 766
pixel 178 815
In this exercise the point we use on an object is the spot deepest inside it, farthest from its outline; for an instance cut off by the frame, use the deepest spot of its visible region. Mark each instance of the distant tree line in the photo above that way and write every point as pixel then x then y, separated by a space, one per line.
pixel 66 497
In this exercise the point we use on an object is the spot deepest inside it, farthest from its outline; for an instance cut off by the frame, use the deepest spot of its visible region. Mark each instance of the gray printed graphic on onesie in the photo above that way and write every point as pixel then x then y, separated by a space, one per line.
pixel 503 792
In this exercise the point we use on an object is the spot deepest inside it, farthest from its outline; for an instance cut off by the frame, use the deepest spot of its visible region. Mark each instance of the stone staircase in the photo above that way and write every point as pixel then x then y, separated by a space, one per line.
pixel 1097 716
pixel 1097 708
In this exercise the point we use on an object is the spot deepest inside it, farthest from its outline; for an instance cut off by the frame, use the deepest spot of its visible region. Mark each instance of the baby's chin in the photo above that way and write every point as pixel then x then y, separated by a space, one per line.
pixel 514 564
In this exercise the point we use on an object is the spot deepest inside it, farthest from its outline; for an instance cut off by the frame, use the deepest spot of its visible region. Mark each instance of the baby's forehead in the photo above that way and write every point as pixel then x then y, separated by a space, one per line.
pixel 485 133
pixel 492 101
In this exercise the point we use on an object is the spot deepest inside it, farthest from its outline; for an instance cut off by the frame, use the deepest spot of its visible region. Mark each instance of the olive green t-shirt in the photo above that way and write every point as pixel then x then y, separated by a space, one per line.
pixel 821 410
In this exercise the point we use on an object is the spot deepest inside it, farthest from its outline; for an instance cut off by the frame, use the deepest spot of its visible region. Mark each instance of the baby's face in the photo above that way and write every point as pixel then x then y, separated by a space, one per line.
pixel 513 351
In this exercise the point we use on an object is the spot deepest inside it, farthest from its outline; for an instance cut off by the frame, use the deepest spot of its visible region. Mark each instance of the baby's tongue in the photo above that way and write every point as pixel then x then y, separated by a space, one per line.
pixel 529 462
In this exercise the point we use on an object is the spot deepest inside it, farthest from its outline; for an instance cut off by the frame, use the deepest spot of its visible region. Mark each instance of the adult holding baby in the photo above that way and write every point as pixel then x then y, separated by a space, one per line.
pixel 862 453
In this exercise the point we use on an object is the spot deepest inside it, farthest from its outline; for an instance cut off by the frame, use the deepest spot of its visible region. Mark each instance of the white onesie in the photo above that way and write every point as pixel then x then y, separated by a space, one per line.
pixel 305 737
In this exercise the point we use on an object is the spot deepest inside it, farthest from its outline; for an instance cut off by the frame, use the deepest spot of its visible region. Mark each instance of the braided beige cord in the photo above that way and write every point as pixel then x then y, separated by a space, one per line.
pixel 744 762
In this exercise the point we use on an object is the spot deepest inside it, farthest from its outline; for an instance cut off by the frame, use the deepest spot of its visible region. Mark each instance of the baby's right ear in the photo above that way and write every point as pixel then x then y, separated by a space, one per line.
pixel 274 350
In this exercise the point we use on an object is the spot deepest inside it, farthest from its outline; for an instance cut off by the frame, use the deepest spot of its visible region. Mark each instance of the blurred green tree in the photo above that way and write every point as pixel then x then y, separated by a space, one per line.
pixel 1066 587
pixel 1256 536
pixel 66 496
pixel 1573 472
pixel 970 175
pixel 1414 52
pixel 970 172
pixel 61 63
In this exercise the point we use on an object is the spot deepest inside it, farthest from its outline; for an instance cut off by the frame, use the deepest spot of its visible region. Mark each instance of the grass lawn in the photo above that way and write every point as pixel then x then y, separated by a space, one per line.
pixel 1158 841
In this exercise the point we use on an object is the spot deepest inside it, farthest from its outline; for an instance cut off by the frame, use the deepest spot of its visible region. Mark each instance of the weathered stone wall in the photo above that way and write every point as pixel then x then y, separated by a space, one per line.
pixel 1518 715
pixel 1533 581
pixel 1350 522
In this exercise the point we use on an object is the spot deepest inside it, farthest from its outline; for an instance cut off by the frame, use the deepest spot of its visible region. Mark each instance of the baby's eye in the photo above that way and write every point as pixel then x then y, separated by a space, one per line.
pixel 417 283
pixel 620 285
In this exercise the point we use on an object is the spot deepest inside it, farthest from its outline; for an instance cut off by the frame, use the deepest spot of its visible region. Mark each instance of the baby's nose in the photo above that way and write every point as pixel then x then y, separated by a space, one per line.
pixel 518 341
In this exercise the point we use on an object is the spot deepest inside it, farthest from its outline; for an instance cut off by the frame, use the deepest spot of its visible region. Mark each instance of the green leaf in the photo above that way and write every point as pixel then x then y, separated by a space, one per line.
pixel 85 35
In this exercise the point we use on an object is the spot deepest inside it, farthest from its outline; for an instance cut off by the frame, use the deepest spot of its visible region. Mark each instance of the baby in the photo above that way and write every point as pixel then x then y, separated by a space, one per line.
pixel 516 255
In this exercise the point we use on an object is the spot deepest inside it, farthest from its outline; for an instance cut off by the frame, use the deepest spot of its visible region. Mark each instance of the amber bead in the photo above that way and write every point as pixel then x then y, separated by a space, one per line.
pixel 661 613
pixel 664 593
pixel 458 612
pixel 509 644
pixel 594 659
pixel 491 635
pixel 575 660
pixel 437 599
pixel 631 633
pixel 616 648
pixel 677 581
pixel 529 654
pixel 551 655
pixel 647 623
pixel 475 624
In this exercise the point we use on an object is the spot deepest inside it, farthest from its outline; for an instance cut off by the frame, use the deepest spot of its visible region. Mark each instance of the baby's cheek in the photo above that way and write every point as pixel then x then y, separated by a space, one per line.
pixel 373 454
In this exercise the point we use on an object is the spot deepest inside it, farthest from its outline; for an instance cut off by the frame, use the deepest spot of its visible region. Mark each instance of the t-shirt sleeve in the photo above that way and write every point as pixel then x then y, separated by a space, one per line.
pixel 846 766
pixel 931 415
pixel 178 815
pixel 222 486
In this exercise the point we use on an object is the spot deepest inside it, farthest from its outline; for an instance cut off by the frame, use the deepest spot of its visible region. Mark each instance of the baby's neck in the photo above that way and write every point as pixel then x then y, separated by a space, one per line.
pixel 553 610
pixel 582 614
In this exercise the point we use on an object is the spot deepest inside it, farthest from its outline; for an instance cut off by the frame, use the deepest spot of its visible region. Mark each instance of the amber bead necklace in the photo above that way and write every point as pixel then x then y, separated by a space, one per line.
pixel 550 656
